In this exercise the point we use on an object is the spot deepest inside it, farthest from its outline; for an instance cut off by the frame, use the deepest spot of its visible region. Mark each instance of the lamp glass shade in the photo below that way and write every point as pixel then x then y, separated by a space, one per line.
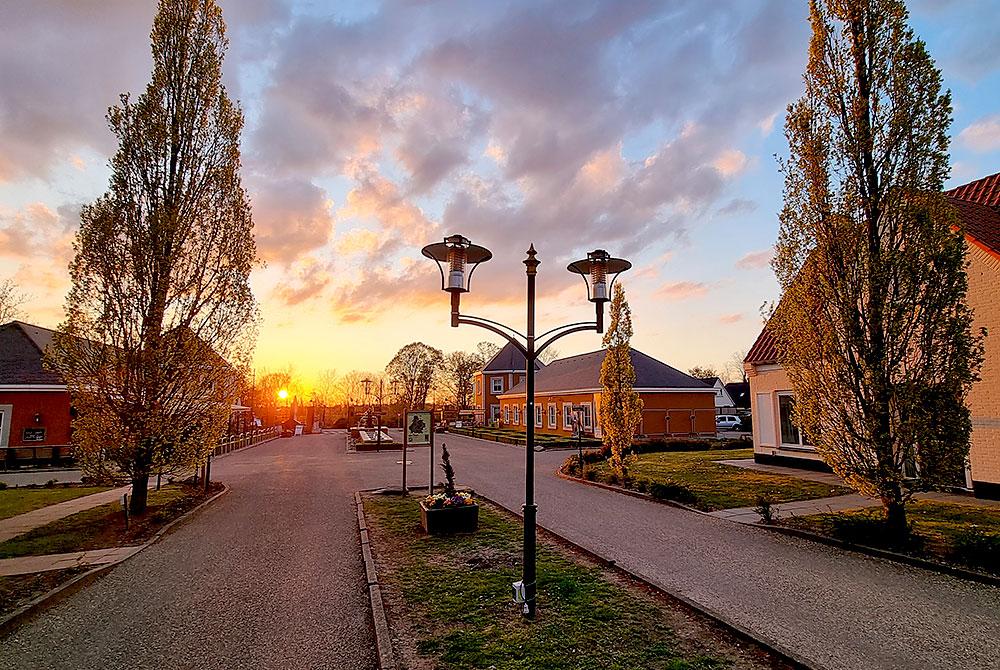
pixel 457 258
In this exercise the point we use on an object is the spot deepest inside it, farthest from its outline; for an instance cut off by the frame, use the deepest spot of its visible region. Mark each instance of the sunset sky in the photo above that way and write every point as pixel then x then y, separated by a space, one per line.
pixel 646 128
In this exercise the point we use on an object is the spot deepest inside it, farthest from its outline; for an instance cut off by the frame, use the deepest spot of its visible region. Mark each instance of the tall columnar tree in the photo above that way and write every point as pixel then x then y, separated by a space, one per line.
pixel 413 370
pixel 621 406
pixel 160 315
pixel 873 329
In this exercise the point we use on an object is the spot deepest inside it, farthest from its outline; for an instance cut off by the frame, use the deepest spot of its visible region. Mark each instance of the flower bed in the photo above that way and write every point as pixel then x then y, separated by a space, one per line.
pixel 443 514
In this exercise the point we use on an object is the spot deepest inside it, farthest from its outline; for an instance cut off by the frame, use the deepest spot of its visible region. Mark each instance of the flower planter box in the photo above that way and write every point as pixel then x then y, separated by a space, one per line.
pixel 448 520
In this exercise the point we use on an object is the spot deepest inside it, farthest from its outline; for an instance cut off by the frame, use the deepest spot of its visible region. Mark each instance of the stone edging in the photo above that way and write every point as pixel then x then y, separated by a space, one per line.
pixel 933 566
pixel 775 648
pixel 66 589
pixel 383 640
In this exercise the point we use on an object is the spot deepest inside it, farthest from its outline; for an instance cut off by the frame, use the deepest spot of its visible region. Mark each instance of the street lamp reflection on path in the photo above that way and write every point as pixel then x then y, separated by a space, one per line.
pixel 457 258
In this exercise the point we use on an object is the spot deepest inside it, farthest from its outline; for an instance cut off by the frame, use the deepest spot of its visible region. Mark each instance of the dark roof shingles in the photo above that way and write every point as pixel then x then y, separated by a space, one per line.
pixel 584 372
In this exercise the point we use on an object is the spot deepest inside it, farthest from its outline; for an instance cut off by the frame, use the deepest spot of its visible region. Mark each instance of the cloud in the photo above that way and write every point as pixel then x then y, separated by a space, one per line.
pixel 983 136
pixel 737 206
pixel 681 290
pixel 755 260
pixel 291 217
pixel 731 162
pixel 731 318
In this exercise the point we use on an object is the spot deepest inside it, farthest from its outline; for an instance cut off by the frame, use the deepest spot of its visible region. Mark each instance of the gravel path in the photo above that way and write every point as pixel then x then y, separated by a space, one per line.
pixel 838 609
pixel 269 576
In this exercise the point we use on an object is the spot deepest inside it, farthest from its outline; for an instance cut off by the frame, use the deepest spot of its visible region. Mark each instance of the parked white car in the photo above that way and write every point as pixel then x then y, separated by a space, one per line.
pixel 727 422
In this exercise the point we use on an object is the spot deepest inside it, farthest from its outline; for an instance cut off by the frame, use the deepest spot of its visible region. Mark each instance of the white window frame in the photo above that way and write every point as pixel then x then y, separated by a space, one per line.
pixel 494 413
pixel 506 413
pixel 494 384
pixel 553 415
pixel 567 416
pixel 517 417
pixel 781 438
pixel 588 416
pixel 539 415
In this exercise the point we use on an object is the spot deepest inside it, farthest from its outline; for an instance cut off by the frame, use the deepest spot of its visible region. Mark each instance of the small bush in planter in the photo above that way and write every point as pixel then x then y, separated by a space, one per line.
pixel 451 511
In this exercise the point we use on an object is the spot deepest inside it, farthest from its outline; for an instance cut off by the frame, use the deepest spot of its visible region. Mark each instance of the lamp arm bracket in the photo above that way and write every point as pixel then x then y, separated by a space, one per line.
pixel 493 327
pixel 577 328
pixel 568 325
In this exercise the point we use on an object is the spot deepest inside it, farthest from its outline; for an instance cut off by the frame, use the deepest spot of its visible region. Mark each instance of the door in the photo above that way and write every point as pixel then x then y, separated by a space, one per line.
pixel 5 413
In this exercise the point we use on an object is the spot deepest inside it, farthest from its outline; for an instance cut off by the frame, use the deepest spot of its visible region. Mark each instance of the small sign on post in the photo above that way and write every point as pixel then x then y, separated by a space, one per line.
pixel 418 429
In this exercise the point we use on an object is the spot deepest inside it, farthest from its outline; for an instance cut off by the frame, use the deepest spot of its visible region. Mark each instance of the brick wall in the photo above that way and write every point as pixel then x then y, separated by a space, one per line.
pixel 984 400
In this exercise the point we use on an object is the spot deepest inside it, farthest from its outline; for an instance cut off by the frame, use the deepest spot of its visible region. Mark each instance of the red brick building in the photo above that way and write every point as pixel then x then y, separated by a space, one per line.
pixel 501 373
pixel 674 403
pixel 34 403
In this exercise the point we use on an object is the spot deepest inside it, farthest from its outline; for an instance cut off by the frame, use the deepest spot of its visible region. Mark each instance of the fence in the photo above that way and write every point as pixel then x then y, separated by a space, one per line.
pixel 244 440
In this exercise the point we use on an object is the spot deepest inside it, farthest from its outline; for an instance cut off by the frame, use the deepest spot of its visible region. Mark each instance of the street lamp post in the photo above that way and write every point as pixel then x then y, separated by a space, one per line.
pixel 457 258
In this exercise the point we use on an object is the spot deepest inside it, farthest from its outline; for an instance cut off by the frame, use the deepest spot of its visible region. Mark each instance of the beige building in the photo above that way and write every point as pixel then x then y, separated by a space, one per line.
pixel 777 440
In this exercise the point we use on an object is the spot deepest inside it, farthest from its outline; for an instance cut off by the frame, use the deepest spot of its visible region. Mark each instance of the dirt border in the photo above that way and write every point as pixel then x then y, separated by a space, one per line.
pixel 383 639
pixel 65 590
pixel 913 561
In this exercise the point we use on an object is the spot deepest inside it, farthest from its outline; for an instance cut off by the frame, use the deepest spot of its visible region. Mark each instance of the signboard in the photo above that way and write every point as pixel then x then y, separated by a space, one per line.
pixel 33 435
pixel 418 428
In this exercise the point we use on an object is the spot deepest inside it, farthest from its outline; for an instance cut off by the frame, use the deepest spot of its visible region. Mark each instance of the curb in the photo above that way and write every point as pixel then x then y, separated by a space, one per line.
pixel 383 640
pixel 913 561
pixel 775 648
pixel 66 589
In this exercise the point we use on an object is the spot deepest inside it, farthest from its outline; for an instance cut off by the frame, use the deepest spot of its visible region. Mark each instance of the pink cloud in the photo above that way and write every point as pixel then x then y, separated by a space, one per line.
pixel 755 260
pixel 731 318
pixel 983 136
pixel 681 290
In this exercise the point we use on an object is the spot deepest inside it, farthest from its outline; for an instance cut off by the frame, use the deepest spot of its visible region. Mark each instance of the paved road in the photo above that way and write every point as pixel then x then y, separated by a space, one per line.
pixel 838 609
pixel 269 576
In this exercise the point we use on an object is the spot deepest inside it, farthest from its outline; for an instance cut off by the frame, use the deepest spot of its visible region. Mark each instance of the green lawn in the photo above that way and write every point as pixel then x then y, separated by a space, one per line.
pixel 964 534
pixel 711 486
pixel 104 526
pixel 21 500
pixel 449 600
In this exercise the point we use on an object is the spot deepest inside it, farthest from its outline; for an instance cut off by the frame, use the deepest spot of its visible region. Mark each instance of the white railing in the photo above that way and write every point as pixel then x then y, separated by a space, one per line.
pixel 244 440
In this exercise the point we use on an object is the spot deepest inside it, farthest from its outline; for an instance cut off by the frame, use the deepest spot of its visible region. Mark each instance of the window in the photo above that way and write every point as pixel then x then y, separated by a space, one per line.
pixel 567 416
pixel 538 416
pixel 524 413
pixel 553 413
pixel 494 413
pixel 506 413
pixel 588 423
pixel 517 418
pixel 496 384
pixel 790 433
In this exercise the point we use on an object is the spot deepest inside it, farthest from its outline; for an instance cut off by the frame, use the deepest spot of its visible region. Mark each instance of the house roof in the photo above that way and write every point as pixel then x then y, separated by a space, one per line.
pixel 978 206
pixel 21 348
pixel 509 358
pixel 583 372
pixel 710 380
pixel 740 393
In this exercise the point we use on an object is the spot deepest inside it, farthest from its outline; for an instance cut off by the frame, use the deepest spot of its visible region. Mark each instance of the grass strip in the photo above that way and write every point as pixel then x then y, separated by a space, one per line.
pixel 104 526
pixel 450 606
pixel 14 501
pixel 708 485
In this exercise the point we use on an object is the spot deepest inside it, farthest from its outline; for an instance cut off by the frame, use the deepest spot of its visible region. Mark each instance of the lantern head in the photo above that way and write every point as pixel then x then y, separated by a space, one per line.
pixel 596 269
pixel 457 257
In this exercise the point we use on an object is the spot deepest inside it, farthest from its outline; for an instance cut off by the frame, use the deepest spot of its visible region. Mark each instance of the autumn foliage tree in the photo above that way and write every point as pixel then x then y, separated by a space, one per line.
pixel 873 328
pixel 621 406
pixel 160 316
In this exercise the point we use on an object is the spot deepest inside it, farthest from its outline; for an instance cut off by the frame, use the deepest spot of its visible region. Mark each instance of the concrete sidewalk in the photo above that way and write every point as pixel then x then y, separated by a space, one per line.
pixel 23 523
pixel 24 565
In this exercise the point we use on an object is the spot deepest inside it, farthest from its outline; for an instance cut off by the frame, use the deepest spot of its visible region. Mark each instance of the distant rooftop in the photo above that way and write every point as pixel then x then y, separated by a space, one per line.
pixel 509 358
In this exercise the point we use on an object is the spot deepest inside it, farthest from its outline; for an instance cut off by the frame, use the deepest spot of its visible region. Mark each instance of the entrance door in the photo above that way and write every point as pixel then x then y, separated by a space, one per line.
pixel 5 413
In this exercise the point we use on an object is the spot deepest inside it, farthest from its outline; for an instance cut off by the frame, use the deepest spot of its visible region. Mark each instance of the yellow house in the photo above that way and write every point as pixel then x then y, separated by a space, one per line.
pixel 777 440
pixel 674 403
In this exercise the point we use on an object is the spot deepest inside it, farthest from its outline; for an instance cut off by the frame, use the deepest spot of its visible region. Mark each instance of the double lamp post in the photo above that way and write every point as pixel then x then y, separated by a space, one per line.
pixel 457 258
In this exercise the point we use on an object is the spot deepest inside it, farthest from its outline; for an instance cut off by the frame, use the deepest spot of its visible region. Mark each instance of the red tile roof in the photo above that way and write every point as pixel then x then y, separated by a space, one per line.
pixel 985 191
pixel 765 349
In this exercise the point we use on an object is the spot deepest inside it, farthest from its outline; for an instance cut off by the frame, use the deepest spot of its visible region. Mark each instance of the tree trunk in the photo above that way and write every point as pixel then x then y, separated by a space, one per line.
pixel 140 491
pixel 895 516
